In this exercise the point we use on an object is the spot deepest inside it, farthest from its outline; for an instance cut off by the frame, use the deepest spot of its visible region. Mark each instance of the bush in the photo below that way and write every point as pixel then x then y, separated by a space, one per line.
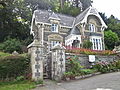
pixel 14 66
pixel 20 78
pixel 2 54
pixel 74 65
pixel 105 67
pixel 69 75
pixel 11 45
pixel 87 44
pixel 87 71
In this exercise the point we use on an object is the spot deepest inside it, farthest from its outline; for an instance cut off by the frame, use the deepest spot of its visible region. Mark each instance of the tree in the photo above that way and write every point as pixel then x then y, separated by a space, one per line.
pixel 113 25
pixel 11 45
pixel 15 19
pixel 111 39
pixel 104 17
pixel 39 4
pixel 86 3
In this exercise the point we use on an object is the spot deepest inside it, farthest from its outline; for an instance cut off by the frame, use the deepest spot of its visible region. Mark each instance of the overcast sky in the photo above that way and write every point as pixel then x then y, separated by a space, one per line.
pixel 108 6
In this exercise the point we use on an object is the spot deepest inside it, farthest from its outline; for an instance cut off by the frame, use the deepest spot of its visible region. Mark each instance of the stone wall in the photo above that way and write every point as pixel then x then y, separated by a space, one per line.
pixel 84 59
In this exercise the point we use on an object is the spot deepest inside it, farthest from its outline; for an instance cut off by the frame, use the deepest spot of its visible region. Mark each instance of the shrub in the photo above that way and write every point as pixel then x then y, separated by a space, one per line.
pixel 74 65
pixel 87 71
pixel 11 45
pixel 14 66
pixel 69 75
pixel 20 78
pixel 2 54
pixel 39 82
pixel 107 66
pixel 87 44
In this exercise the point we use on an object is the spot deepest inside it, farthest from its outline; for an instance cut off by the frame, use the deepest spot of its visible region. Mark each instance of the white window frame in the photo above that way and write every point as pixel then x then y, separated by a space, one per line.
pixel 54 27
pixel 92 27
pixel 97 43
pixel 53 43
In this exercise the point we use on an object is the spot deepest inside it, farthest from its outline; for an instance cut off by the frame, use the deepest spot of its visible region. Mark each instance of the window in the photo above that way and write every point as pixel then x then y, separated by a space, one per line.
pixel 92 27
pixel 53 43
pixel 97 43
pixel 54 28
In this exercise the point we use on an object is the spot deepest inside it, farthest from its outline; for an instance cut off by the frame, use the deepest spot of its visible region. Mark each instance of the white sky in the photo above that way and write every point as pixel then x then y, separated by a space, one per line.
pixel 108 6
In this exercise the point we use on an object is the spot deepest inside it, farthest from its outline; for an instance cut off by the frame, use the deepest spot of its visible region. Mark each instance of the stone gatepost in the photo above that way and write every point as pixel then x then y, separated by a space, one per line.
pixel 36 53
pixel 58 62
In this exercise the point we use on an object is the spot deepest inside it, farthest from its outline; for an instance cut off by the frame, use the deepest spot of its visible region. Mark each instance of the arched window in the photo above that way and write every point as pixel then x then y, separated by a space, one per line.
pixel 92 27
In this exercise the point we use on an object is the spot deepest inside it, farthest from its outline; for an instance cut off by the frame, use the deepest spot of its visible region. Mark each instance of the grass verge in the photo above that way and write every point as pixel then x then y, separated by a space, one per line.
pixel 21 85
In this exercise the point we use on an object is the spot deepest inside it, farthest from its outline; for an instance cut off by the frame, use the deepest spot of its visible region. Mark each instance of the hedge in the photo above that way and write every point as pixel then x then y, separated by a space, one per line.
pixel 14 66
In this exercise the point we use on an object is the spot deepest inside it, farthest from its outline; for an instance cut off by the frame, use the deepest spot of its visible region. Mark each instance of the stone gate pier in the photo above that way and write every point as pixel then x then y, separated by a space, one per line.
pixel 36 52
pixel 58 62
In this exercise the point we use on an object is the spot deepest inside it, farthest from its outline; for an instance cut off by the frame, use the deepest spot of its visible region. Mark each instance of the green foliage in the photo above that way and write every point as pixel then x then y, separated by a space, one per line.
pixel 39 82
pixel 14 66
pixel 2 54
pixel 21 85
pixel 69 75
pixel 15 18
pixel 87 44
pixel 110 39
pixel 11 45
pixel 74 65
pixel 20 78
pixel 73 68
pixel 114 25
pixel 105 67
pixel 87 71
pixel 66 9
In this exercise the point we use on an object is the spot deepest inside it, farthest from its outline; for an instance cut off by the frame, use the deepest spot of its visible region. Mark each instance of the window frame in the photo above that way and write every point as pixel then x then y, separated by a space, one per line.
pixel 54 27
pixel 53 43
pixel 92 27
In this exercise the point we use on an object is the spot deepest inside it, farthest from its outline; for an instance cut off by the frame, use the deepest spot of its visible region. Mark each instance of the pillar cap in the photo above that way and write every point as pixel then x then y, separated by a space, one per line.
pixel 35 43
pixel 58 47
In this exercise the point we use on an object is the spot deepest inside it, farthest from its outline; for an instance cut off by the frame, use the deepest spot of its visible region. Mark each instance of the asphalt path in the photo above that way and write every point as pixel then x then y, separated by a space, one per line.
pixel 110 81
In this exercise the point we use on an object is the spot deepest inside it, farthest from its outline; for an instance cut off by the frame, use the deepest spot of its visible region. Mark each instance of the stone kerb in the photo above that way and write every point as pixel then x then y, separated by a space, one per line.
pixel 36 53
pixel 58 62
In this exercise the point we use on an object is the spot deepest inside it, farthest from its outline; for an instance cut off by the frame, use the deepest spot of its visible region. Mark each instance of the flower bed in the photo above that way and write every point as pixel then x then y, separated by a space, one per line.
pixel 89 51
pixel 75 71
pixel 105 67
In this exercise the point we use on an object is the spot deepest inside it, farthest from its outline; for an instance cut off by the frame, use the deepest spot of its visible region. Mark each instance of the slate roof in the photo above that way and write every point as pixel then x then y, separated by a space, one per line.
pixel 65 20
pixel 74 31
pixel 44 15
pixel 81 16
pixel 54 16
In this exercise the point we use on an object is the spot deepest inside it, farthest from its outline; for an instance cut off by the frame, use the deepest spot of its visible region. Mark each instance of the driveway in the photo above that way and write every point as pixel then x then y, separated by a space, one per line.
pixel 110 81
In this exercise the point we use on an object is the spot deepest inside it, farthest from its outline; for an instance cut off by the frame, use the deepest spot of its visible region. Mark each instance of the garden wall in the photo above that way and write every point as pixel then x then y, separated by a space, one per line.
pixel 84 59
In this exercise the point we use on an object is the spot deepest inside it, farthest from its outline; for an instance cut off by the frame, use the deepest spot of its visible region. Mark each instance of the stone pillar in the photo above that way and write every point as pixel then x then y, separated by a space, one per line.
pixel 36 52
pixel 35 49
pixel 58 62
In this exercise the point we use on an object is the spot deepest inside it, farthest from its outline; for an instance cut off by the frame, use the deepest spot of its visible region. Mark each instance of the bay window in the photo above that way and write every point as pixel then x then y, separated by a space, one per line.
pixel 97 43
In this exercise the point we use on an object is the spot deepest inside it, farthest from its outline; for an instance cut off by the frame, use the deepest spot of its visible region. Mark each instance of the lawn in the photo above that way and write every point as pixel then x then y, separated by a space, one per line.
pixel 2 54
pixel 23 85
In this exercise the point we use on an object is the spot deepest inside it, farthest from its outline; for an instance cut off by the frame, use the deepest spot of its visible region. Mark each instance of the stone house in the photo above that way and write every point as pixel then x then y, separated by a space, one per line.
pixel 51 28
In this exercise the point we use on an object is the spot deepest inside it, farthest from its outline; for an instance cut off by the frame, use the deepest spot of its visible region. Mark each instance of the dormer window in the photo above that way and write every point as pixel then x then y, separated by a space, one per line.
pixel 92 27
pixel 54 28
